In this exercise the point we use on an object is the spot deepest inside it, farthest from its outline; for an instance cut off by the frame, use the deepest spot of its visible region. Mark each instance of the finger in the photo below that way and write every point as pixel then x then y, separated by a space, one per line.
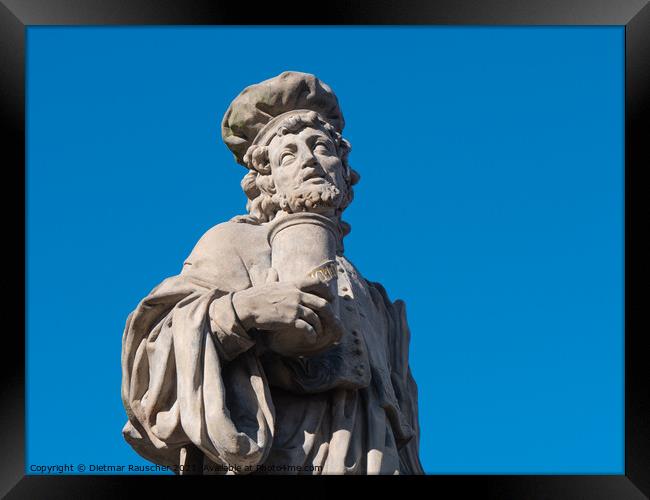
pixel 272 276
pixel 316 287
pixel 310 317
pixel 319 305
pixel 326 314
pixel 312 301
pixel 308 331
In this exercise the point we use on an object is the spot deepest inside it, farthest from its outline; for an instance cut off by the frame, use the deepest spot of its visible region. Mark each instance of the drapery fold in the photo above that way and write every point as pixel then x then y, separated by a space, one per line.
pixel 191 375
pixel 177 389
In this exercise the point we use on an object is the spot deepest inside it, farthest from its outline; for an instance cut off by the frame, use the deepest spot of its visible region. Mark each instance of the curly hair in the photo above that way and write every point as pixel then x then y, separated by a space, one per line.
pixel 263 201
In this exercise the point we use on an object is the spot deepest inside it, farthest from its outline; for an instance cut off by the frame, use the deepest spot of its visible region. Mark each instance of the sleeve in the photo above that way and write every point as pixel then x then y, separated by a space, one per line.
pixel 189 376
pixel 230 336
pixel 403 389
pixel 407 391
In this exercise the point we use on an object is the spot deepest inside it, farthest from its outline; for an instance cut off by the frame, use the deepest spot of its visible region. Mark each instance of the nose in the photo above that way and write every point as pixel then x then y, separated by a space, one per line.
pixel 307 158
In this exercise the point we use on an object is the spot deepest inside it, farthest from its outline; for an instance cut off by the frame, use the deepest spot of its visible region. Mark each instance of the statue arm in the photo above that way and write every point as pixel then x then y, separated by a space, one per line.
pixel 228 333
pixel 189 376
pixel 406 421
pixel 410 453
pixel 215 267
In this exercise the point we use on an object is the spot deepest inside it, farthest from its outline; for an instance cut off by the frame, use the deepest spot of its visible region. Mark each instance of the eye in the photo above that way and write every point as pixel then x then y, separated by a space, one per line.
pixel 286 157
pixel 322 147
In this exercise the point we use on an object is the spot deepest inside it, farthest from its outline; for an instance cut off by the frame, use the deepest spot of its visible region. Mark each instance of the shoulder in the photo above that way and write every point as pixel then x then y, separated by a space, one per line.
pixel 219 237
pixel 224 250
pixel 228 237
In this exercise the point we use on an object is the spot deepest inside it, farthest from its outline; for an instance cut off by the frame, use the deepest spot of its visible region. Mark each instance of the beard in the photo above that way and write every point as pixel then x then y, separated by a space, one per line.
pixel 309 197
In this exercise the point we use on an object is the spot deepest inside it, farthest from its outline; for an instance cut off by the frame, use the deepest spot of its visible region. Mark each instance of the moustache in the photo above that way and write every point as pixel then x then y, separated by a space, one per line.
pixel 312 179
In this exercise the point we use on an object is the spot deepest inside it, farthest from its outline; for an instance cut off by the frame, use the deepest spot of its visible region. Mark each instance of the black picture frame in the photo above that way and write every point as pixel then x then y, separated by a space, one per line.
pixel 17 15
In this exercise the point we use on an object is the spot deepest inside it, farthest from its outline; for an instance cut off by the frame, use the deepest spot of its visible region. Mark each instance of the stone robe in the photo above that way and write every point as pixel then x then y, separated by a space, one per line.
pixel 191 375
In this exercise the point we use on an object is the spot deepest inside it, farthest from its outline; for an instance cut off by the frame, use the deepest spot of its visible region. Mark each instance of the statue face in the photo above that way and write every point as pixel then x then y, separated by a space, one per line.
pixel 306 171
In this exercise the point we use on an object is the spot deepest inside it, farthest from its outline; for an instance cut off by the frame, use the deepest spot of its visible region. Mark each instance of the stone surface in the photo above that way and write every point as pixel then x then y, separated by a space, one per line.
pixel 269 353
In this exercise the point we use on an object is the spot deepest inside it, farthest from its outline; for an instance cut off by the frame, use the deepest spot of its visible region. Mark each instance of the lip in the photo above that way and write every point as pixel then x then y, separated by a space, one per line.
pixel 315 180
pixel 313 176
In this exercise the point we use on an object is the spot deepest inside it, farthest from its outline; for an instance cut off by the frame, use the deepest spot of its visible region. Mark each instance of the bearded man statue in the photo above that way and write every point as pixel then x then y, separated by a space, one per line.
pixel 269 352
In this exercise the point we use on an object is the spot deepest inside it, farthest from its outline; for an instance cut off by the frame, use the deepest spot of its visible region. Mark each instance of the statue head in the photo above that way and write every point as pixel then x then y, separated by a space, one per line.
pixel 296 156
pixel 300 166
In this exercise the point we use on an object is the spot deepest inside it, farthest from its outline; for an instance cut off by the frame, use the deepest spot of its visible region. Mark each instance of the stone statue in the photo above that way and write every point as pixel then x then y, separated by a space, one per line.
pixel 269 352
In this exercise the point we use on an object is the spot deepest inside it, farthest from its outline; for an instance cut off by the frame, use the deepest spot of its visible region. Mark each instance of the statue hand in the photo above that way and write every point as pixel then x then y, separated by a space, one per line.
pixel 295 319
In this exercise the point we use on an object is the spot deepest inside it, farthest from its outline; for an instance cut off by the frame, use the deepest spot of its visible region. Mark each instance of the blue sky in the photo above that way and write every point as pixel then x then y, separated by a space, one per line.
pixel 491 201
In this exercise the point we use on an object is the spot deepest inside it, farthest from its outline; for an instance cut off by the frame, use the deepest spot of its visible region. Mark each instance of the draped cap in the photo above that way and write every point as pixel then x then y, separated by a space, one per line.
pixel 258 104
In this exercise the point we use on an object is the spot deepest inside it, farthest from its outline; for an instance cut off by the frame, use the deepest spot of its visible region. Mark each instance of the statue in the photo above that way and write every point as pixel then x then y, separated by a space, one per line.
pixel 269 352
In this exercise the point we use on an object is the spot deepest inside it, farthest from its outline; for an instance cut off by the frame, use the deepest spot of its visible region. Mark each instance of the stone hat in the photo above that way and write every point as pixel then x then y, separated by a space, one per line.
pixel 256 107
